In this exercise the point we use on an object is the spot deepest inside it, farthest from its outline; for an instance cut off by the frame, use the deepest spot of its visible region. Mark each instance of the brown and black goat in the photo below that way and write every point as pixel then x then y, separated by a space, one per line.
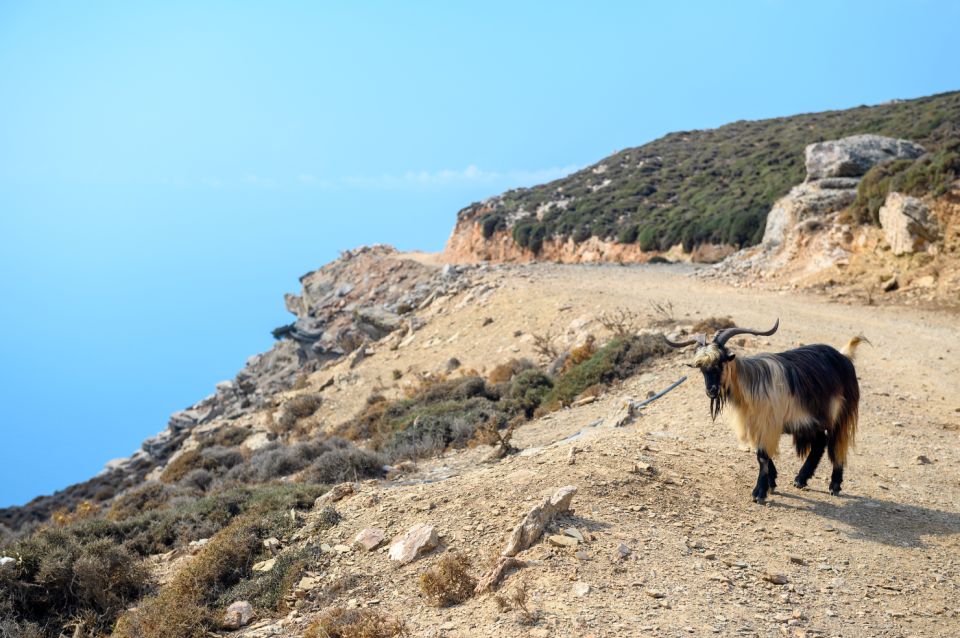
pixel 809 392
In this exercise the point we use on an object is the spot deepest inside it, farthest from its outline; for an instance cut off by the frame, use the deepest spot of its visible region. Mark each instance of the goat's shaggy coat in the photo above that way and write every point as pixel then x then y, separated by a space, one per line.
pixel 809 392
pixel 800 392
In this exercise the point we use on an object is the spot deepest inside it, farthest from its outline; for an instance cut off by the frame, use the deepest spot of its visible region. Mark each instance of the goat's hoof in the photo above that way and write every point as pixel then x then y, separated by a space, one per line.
pixel 835 491
pixel 800 485
pixel 760 500
pixel 773 488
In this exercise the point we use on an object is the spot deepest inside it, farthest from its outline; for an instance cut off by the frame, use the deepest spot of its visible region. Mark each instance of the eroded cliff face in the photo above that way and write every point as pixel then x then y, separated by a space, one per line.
pixel 467 244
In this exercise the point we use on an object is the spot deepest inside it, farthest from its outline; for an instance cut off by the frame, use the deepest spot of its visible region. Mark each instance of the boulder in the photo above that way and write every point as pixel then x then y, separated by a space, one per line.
pixel 529 530
pixel 806 201
pixel 419 539
pixel 238 615
pixel 855 155
pixel 906 224
pixel 369 539
pixel 377 322
pixel 336 493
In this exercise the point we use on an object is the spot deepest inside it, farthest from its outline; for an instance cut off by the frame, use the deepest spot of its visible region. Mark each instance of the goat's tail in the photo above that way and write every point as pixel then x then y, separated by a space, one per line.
pixel 850 350
pixel 844 432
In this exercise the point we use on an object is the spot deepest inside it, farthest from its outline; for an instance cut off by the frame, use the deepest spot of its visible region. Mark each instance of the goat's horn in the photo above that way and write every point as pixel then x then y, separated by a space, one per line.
pixel 725 335
pixel 700 339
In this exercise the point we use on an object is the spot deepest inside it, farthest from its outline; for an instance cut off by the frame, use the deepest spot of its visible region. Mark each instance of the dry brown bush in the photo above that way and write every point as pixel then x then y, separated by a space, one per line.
pixel 448 582
pixel 84 509
pixel 709 325
pixel 338 622
pixel 181 466
pixel 506 371
pixel 580 354
pixel 621 321
pixel 179 609
pixel 297 408
pixel 517 598
pixel 662 313
pixel 543 345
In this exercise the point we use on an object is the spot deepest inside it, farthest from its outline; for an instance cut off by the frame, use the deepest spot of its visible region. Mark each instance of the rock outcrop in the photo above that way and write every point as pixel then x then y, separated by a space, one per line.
pixel 906 224
pixel 834 170
pixel 855 155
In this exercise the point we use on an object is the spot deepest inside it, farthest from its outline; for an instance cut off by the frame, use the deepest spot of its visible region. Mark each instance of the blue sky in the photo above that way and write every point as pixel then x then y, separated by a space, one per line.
pixel 168 170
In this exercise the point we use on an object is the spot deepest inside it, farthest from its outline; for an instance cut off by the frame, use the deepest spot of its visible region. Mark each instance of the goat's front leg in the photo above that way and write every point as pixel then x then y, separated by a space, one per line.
pixel 763 479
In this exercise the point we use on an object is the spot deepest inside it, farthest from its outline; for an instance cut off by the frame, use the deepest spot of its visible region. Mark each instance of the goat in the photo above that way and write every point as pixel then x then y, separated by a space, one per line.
pixel 809 392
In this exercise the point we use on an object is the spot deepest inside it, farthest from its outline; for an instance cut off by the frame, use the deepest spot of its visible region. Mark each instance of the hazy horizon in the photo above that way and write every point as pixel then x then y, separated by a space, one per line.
pixel 169 172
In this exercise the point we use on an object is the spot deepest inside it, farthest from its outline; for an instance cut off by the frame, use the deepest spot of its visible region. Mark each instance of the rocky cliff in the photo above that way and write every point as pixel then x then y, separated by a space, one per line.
pixel 361 297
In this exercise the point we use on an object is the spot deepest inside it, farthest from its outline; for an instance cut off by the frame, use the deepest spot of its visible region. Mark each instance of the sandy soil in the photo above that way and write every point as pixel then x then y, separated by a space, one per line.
pixel 883 559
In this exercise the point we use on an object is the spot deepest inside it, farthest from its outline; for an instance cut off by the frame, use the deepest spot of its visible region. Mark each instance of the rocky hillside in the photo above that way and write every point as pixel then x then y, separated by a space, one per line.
pixel 361 297
pixel 707 192
pixel 484 469
pixel 454 450
pixel 812 237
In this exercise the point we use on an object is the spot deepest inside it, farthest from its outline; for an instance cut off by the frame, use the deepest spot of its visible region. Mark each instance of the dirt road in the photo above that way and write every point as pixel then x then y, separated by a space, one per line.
pixel 883 559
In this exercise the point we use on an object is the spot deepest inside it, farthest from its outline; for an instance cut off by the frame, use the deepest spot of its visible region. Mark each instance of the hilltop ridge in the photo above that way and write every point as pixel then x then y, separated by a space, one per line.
pixel 704 193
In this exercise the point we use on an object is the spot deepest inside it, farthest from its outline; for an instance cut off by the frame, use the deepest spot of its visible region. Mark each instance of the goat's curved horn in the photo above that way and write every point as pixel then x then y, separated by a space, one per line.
pixel 725 335
pixel 699 339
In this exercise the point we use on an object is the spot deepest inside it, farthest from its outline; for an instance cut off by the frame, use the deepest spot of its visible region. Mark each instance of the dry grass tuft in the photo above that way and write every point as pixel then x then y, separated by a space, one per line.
pixel 448 582
pixel 338 622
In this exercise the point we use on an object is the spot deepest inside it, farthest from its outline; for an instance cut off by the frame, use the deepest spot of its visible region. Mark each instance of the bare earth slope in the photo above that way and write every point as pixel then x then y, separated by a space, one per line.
pixel 881 560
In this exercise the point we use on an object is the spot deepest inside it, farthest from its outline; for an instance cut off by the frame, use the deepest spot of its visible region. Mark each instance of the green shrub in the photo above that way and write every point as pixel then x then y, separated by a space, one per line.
pixel 873 189
pixel 617 360
pixel 526 391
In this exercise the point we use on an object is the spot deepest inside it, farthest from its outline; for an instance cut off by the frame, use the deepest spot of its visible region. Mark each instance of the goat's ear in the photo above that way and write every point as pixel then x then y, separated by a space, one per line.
pixel 730 357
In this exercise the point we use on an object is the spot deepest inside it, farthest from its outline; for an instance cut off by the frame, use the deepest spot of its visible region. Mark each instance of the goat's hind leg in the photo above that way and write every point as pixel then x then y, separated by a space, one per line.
pixel 836 477
pixel 816 443
pixel 763 479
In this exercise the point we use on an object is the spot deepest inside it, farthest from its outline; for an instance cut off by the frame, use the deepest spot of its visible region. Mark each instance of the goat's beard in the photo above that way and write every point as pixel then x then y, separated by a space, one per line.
pixel 716 405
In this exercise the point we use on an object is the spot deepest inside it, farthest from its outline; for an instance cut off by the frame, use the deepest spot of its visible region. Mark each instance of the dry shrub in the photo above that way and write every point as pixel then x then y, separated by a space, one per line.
pixel 448 582
pixel 617 360
pixel 84 509
pixel 662 313
pixel 149 496
pixel 506 371
pixel 709 325
pixel 621 322
pixel 581 353
pixel 181 466
pixel 63 576
pixel 338 622
pixel 180 609
pixel 545 346
pixel 423 382
pixel 517 599
pixel 214 458
pixel 364 425
pixel 297 408
pixel 229 436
